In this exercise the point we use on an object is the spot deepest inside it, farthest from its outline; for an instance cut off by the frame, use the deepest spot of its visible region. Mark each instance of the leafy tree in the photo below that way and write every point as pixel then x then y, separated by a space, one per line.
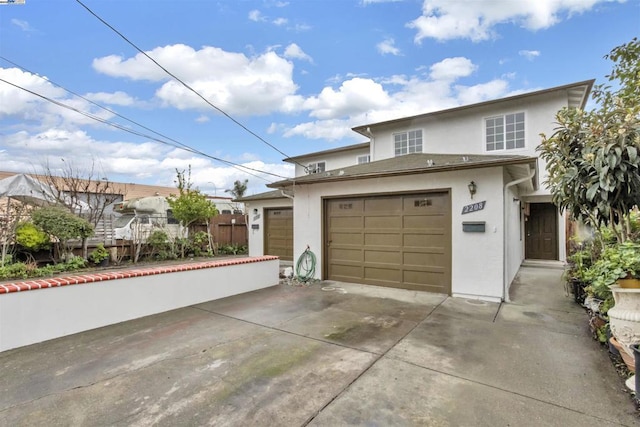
pixel 239 188
pixel 61 225
pixel 593 157
pixel 190 205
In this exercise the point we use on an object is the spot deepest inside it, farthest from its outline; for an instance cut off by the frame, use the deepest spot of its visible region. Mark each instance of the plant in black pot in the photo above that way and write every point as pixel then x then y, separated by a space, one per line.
pixel 575 275
pixel 100 255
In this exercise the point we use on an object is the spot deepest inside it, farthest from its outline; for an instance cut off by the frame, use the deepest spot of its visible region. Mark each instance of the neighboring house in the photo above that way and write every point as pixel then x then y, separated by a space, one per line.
pixel 451 201
pixel 270 225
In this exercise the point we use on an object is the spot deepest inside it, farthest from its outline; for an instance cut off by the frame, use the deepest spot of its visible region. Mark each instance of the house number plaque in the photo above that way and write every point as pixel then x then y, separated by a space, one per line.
pixel 473 207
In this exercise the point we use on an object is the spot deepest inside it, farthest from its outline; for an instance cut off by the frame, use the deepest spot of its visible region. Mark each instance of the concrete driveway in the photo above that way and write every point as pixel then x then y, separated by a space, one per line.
pixel 345 355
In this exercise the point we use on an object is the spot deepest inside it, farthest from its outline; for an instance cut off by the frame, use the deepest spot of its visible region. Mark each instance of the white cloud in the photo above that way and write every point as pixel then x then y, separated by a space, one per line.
pixel 366 2
pixel 359 100
pixel 115 98
pixel 387 46
pixel 295 52
pixel 477 20
pixel 256 16
pixel 231 81
pixel 23 25
pixel 19 102
pixel 125 161
pixel 452 69
pixel 280 21
pixel 202 119
pixel 529 54
pixel 354 96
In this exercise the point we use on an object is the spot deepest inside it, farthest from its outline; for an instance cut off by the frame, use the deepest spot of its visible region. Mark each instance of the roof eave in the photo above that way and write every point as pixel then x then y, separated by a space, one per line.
pixel 363 129
pixel 431 169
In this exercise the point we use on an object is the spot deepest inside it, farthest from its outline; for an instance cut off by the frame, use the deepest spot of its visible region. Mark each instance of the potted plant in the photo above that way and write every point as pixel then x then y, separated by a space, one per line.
pixel 619 265
pixel 575 274
pixel 100 255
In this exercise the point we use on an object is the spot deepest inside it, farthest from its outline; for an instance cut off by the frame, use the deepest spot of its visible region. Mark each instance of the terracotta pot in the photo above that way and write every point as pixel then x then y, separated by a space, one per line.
pixel 628 359
pixel 628 283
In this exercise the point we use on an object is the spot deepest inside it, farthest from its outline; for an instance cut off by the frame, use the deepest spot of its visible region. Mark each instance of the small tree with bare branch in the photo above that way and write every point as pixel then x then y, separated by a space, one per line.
pixel 83 190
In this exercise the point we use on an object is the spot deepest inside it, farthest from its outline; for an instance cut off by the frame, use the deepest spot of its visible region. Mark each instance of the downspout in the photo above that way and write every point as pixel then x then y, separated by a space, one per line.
pixel 285 194
pixel 372 143
pixel 505 264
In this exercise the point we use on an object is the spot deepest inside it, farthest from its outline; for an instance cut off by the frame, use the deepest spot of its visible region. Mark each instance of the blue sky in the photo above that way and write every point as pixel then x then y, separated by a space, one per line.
pixel 299 74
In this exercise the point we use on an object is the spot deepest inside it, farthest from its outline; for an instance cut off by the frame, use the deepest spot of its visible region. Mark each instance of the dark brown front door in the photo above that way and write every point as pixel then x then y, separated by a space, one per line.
pixel 279 233
pixel 542 232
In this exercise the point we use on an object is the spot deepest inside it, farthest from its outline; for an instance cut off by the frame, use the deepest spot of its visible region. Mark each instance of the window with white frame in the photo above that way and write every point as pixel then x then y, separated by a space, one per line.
pixel 408 142
pixel 364 159
pixel 504 132
pixel 317 167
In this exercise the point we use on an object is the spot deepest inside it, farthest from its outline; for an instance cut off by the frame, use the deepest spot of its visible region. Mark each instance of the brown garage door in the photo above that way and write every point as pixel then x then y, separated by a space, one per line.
pixel 279 233
pixel 401 241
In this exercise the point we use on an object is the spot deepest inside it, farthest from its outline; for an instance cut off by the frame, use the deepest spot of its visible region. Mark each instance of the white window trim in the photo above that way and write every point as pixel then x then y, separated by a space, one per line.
pixel 504 115
pixel 368 156
pixel 312 167
pixel 393 136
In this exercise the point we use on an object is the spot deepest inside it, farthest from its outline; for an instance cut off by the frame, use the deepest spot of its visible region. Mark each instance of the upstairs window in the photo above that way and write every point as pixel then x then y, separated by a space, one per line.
pixel 317 167
pixel 364 159
pixel 408 142
pixel 504 132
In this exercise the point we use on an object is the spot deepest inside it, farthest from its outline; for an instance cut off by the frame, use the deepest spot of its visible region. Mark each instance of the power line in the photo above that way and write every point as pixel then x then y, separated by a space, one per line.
pixel 185 84
pixel 134 132
pixel 179 145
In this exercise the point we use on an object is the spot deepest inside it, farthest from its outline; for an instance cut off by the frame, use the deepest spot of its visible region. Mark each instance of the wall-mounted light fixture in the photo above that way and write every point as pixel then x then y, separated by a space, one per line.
pixel 255 211
pixel 472 188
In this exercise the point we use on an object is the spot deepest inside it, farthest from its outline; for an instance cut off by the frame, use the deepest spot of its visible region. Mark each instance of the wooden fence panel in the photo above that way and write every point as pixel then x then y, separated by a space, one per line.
pixel 228 229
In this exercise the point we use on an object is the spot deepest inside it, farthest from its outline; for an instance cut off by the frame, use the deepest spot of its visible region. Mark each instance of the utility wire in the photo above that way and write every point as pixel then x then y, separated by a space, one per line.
pixel 185 84
pixel 134 132
pixel 178 145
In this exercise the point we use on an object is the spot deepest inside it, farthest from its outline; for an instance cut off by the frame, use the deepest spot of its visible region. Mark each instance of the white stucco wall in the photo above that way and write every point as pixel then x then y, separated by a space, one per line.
pixel 29 317
pixel 462 131
pixel 256 236
pixel 477 258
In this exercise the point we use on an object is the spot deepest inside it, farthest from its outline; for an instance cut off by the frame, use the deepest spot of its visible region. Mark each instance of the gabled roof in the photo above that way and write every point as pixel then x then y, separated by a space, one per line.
pixel 417 163
pixel 577 95
pixel 325 152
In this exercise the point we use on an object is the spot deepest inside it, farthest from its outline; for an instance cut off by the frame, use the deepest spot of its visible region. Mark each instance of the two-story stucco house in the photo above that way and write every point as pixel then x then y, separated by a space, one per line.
pixel 450 201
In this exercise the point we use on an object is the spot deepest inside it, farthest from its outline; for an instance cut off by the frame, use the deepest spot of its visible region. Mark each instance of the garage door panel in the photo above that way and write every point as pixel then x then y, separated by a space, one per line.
pixel 344 254
pixel 383 239
pixel 382 274
pixel 382 257
pixel 425 240
pixel 425 281
pixel 383 221
pixel 382 204
pixel 404 241
pixel 423 259
pixel 428 203
pixel 418 221
pixel 346 238
pixel 346 206
pixel 347 270
pixel 279 233
pixel 346 222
